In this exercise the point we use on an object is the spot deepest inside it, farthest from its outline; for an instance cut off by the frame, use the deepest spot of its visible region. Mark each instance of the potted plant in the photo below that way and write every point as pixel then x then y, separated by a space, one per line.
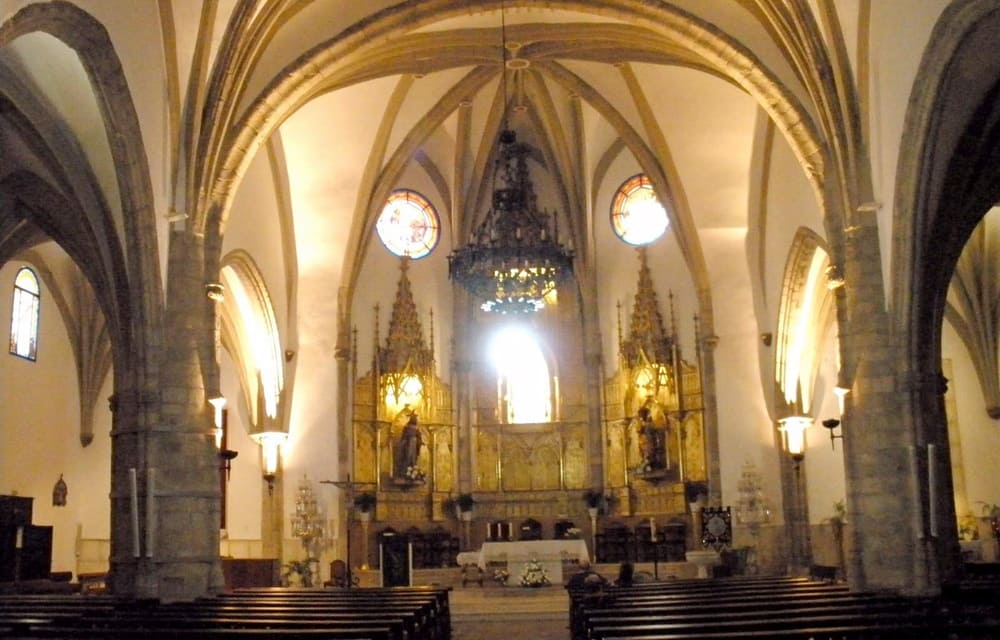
pixel 297 573
pixel 594 500
pixel 463 504
pixel 696 494
pixel 365 504
pixel 968 527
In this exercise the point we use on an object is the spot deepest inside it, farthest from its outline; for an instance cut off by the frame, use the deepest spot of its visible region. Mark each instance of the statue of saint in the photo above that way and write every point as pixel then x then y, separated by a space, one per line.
pixel 651 441
pixel 408 451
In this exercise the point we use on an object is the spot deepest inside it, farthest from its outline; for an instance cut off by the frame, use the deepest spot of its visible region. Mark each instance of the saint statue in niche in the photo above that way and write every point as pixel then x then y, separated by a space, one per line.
pixel 652 442
pixel 405 464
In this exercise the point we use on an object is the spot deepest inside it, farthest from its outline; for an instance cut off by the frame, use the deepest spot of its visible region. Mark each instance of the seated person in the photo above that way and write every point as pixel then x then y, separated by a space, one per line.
pixel 626 573
pixel 586 580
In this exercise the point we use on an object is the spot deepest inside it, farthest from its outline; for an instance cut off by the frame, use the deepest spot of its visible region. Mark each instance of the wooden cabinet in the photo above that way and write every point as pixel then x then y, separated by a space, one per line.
pixel 25 549
pixel 250 572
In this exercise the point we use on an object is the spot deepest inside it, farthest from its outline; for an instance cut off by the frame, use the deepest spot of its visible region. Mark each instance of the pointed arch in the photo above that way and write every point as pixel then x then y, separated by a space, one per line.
pixel 805 314
pixel 249 332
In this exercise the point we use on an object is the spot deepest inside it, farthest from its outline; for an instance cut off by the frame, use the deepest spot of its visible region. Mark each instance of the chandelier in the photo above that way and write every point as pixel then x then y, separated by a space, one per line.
pixel 513 259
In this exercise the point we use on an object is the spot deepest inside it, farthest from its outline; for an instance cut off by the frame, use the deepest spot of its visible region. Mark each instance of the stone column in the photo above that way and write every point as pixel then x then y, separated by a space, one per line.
pixel 165 522
pixel 706 361
pixel 882 457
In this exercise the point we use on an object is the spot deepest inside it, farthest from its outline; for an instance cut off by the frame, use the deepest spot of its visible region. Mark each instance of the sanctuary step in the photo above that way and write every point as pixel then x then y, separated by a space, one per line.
pixel 452 576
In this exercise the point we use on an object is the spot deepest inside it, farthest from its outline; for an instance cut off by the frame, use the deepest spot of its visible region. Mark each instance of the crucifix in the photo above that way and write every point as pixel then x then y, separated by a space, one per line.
pixel 348 488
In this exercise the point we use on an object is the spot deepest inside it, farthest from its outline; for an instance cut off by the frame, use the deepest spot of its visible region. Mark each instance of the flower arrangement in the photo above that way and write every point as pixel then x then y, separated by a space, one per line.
pixel 534 574
pixel 573 533
pixel 644 467
pixel 968 527
pixel 501 576
pixel 414 473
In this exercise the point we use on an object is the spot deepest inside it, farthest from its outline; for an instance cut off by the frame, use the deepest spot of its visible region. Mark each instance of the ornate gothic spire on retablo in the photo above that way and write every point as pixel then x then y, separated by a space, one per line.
pixel 646 332
pixel 404 345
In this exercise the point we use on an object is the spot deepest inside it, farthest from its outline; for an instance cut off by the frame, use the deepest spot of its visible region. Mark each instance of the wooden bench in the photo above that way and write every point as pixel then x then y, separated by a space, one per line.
pixel 338 614
pixel 741 608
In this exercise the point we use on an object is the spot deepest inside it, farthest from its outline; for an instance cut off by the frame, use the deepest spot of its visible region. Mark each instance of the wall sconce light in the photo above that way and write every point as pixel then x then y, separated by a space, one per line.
pixel 794 429
pixel 215 291
pixel 766 338
pixel 841 393
pixel 226 455
pixel 832 425
pixel 270 443
pixel 219 404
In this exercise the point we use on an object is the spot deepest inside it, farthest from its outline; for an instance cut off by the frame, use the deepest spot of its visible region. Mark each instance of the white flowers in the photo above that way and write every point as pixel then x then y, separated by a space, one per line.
pixel 534 574
pixel 415 474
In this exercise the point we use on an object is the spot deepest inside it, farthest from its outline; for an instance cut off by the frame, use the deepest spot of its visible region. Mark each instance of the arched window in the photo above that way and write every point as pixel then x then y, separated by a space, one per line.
pixel 24 315
pixel 408 225
pixel 637 216
pixel 524 385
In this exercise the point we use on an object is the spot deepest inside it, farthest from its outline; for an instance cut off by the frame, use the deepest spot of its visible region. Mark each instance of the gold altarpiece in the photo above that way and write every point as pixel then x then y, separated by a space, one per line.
pixel 403 381
pixel 537 470
pixel 653 418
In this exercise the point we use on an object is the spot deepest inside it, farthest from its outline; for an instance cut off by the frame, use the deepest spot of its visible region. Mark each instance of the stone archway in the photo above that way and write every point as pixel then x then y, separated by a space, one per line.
pixel 949 177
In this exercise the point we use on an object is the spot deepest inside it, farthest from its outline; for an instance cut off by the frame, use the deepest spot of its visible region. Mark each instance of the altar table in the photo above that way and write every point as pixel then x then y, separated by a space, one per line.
pixel 549 553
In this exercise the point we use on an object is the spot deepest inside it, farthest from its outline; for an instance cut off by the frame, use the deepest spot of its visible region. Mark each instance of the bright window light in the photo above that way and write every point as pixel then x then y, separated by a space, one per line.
pixel 523 386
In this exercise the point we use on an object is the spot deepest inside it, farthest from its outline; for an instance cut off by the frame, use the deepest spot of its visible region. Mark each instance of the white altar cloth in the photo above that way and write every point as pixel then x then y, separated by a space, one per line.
pixel 549 553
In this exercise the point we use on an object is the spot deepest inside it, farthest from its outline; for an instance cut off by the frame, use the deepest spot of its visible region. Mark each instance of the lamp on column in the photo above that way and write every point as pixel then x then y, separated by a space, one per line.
pixel 794 430
pixel 226 455
pixel 832 424
pixel 270 443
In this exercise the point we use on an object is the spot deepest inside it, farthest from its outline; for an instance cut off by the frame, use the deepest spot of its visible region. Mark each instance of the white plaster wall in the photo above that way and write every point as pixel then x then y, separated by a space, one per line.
pixel 899 32
pixel 40 434
pixel 746 433
pixel 978 433
pixel 254 225
pixel 824 465
pixel 245 486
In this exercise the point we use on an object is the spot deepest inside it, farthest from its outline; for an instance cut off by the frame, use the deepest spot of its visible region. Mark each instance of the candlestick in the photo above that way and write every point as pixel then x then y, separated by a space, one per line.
pixel 134 508
pixel 150 512
pixel 932 488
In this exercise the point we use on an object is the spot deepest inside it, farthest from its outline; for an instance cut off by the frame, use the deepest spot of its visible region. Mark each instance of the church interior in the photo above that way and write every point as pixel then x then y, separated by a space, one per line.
pixel 295 280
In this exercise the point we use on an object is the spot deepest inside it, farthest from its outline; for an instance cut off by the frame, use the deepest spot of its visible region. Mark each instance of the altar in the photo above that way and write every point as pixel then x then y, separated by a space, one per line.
pixel 549 553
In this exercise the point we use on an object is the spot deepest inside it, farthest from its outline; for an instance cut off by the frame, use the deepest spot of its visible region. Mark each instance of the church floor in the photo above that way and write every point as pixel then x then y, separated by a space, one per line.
pixel 509 613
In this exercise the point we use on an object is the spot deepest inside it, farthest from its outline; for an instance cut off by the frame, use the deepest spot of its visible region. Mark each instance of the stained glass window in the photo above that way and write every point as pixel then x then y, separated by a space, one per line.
pixel 408 225
pixel 637 216
pixel 24 315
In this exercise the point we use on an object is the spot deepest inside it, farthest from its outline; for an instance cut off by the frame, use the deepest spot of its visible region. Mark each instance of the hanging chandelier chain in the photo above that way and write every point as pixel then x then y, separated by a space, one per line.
pixel 513 260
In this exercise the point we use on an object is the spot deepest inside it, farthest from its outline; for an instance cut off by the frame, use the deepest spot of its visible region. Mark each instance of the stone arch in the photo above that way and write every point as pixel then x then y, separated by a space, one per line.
pixel 948 178
pixel 249 332
pixel 805 314
pixel 297 84
pixel 128 274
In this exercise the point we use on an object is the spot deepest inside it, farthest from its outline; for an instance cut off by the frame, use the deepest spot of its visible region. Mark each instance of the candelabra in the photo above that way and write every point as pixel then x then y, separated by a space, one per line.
pixel 307 523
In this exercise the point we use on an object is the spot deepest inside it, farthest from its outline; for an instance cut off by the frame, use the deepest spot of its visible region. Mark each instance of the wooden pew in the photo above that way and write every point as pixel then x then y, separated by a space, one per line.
pixel 376 614
pixel 770 609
